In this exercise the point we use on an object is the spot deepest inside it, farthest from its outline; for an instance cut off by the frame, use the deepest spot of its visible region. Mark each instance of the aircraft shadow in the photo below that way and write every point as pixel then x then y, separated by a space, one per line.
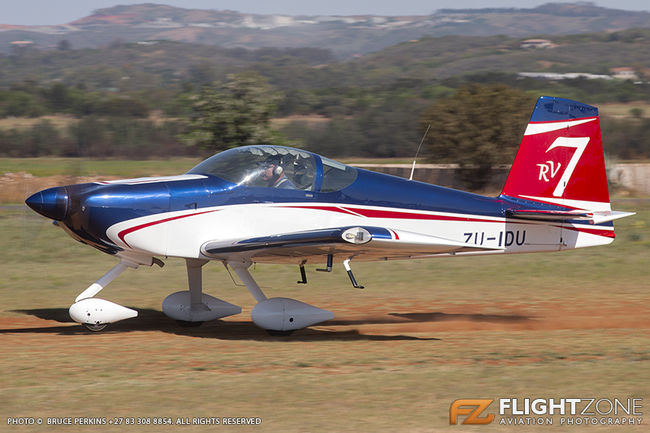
pixel 439 317
pixel 394 318
pixel 154 320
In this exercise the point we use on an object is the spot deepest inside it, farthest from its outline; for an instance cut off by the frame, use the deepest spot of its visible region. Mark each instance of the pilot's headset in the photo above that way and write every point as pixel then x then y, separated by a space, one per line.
pixel 278 170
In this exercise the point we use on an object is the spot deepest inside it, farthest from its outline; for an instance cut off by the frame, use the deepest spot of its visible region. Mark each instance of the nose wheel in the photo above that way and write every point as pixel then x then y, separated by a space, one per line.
pixel 95 327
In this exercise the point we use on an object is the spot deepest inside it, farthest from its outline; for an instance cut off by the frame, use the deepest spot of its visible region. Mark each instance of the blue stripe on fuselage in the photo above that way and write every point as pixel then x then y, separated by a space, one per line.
pixel 106 205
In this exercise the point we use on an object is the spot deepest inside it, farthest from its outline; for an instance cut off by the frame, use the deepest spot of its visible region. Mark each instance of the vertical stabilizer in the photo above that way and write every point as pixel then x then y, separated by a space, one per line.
pixel 560 160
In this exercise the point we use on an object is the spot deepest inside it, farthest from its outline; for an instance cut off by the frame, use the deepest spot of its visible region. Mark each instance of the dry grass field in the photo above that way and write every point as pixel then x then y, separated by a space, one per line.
pixel 622 110
pixel 60 122
pixel 397 354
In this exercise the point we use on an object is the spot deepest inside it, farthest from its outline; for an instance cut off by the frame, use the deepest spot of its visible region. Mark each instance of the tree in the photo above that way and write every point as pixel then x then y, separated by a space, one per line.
pixel 203 73
pixel 234 113
pixel 58 97
pixel 64 45
pixel 19 104
pixel 478 127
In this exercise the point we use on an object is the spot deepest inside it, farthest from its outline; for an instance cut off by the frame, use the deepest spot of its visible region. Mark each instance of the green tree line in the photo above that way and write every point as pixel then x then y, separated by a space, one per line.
pixel 28 99
pixel 96 137
pixel 382 122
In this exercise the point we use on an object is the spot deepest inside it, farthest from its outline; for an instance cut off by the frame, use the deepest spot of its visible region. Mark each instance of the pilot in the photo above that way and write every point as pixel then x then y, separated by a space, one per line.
pixel 273 174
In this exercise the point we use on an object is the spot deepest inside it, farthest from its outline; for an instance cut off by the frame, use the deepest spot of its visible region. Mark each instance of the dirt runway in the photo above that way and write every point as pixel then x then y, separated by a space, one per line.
pixel 373 319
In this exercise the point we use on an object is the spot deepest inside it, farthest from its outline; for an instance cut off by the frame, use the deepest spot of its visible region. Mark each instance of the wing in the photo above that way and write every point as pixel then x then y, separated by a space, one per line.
pixel 367 243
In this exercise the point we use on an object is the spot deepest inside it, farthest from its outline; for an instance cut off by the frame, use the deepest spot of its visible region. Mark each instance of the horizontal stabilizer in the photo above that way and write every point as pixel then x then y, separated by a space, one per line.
pixel 596 217
pixel 605 216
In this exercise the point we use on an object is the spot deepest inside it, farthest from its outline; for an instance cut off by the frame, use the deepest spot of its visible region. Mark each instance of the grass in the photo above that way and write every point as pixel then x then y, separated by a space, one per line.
pixel 360 375
pixel 615 109
pixel 61 122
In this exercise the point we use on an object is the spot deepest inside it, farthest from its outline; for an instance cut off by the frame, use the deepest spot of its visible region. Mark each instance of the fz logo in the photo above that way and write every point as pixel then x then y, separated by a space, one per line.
pixel 549 168
pixel 473 408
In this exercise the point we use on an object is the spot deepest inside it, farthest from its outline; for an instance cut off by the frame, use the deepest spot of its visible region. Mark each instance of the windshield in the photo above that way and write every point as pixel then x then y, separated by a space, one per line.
pixel 262 166
pixel 336 175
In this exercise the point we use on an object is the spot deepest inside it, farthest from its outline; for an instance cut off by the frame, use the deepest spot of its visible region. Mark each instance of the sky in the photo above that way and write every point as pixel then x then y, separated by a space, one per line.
pixel 63 11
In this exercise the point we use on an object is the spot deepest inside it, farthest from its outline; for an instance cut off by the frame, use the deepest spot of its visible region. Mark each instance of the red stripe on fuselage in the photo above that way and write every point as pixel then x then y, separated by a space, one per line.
pixel 125 232
pixel 599 232
pixel 378 213
pixel 327 208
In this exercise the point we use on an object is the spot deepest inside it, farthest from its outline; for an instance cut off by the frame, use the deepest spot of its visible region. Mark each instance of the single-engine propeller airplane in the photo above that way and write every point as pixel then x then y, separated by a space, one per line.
pixel 273 204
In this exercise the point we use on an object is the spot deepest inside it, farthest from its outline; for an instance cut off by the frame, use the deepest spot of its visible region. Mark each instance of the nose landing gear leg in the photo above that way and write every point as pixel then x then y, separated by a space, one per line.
pixel 95 313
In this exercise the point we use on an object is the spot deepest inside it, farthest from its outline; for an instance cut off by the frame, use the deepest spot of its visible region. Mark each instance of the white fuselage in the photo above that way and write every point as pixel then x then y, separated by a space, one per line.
pixel 182 233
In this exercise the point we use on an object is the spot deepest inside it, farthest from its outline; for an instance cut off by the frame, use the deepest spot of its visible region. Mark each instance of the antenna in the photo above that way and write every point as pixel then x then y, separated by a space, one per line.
pixel 418 151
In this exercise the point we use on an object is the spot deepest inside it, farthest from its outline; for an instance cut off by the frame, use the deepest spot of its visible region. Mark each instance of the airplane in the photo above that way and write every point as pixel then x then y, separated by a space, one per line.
pixel 275 204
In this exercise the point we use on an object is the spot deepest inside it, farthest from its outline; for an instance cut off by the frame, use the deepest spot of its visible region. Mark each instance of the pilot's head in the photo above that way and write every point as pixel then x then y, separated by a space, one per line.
pixel 272 169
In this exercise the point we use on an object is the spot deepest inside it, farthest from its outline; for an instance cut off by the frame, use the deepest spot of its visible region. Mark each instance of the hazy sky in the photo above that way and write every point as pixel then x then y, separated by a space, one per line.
pixel 64 11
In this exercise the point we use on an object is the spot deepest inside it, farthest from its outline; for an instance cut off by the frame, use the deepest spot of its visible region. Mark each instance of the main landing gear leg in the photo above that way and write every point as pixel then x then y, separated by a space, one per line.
pixel 195 283
pixel 192 307
pixel 241 269
pixel 279 316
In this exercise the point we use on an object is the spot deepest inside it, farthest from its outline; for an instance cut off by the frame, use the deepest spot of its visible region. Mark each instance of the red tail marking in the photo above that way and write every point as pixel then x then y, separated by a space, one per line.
pixel 565 163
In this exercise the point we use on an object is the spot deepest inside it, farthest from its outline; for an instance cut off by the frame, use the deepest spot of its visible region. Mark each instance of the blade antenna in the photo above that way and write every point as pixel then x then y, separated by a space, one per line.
pixel 418 151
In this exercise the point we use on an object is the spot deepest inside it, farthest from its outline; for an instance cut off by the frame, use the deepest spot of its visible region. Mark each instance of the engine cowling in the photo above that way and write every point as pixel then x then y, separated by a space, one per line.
pixel 286 314
pixel 96 311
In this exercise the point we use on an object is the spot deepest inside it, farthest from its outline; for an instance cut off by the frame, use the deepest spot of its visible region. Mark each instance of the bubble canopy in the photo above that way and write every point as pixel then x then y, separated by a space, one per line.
pixel 277 167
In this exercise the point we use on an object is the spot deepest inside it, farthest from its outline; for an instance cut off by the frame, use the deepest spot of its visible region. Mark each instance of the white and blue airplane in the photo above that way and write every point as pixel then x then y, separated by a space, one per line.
pixel 273 204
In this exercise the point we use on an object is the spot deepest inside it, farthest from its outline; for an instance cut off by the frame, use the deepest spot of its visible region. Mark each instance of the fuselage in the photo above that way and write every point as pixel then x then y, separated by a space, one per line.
pixel 175 216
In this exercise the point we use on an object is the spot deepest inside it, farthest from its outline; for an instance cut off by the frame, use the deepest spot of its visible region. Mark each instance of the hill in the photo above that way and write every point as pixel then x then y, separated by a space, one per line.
pixel 156 65
pixel 343 35
pixel 452 56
